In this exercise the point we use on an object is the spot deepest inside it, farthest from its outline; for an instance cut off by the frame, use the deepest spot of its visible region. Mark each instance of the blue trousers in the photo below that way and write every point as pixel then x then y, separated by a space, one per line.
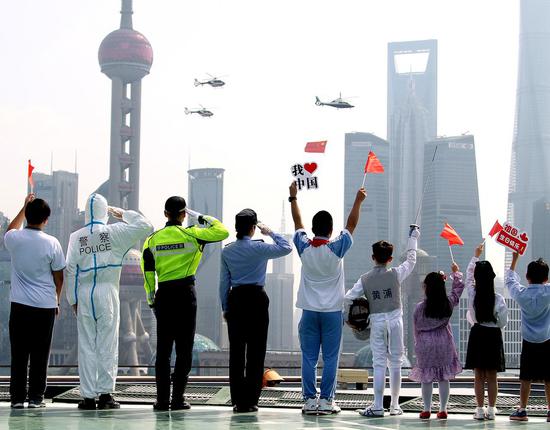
pixel 320 331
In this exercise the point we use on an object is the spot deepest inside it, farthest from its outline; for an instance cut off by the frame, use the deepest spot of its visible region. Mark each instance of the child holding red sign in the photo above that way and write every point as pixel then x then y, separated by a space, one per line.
pixel 534 301
pixel 488 314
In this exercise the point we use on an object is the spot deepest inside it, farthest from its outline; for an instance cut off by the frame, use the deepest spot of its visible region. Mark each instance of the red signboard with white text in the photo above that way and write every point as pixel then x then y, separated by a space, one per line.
pixel 511 238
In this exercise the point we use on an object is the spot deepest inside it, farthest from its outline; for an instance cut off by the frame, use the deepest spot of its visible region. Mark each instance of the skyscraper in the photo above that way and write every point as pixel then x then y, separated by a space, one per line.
pixel 125 56
pixel 373 225
pixel 540 242
pixel 451 197
pixel 60 190
pixel 279 286
pixel 206 196
pixel 529 173
pixel 411 122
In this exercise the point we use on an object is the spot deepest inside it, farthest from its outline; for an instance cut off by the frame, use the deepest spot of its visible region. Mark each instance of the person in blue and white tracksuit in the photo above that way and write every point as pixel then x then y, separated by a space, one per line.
pixel 94 262
pixel 321 298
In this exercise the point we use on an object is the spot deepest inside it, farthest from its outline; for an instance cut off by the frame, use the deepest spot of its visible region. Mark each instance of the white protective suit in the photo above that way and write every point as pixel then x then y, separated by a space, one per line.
pixel 94 263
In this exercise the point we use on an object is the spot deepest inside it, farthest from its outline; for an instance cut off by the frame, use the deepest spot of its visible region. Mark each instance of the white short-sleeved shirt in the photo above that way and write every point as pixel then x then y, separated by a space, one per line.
pixel 34 256
pixel 322 278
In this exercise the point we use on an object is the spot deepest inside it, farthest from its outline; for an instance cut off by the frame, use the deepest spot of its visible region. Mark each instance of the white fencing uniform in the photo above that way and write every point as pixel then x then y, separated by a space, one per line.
pixel 382 288
pixel 94 263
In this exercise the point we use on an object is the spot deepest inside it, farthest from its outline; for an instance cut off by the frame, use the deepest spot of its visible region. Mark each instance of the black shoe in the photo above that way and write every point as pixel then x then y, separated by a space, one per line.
pixel 17 405
pixel 87 404
pixel 161 406
pixel 244 409
pixel 106 401
pixel 178 406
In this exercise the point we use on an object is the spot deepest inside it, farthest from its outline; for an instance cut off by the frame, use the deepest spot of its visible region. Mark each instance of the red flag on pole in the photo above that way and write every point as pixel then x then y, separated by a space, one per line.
pixel 29 174
pixel 373 164
pixel 316 146
pixel 496 229
pixel 451 235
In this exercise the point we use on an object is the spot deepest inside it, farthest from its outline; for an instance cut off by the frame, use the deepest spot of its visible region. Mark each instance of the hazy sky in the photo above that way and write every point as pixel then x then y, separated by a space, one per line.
pixel 278 55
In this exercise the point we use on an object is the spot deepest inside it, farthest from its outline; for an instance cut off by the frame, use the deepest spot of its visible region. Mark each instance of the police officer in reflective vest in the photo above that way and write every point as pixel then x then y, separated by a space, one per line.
pixel 170 258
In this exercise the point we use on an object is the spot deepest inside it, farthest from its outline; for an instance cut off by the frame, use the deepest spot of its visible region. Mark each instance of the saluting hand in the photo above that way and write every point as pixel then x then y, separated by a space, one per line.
pixel 115 212
pixel 264 229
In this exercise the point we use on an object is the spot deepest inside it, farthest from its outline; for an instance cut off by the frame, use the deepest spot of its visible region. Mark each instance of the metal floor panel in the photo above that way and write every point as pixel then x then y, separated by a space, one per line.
pixel 220 396
pixel 288 398
pixel 464 404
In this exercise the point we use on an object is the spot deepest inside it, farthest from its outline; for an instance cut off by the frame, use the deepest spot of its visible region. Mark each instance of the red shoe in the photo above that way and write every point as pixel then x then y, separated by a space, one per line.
pixel 425 415
pixel 442 415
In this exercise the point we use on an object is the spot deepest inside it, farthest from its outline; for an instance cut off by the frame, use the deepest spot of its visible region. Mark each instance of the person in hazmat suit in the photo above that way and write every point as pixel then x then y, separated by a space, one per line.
pixel 94 262
pixel 170 258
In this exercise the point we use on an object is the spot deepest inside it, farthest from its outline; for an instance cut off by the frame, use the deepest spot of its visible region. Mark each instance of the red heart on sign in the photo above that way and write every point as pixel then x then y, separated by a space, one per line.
pixel 310 167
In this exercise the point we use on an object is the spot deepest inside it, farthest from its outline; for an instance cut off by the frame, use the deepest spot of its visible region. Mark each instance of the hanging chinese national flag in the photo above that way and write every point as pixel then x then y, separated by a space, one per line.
pixel 373 164
pixel 496 229
pixel 29 174
pixel 316 146
pixel 451 235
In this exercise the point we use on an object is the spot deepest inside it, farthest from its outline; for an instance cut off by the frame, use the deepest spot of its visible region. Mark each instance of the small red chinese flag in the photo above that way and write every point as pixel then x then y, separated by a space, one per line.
pixel 496 229
pixel 29 174
pixel 373 164
pixel 316 146
pixel 451 235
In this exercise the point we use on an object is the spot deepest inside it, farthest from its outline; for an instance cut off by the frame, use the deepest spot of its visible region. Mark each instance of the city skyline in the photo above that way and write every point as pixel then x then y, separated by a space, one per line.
pixel 529 179
pixel 252 99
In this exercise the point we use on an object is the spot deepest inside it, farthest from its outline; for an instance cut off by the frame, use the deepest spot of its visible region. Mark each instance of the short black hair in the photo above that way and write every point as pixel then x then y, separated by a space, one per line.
pixel 382 251
pixel 174 206
pixel 37 211
pixel 537 271
pixel 322 224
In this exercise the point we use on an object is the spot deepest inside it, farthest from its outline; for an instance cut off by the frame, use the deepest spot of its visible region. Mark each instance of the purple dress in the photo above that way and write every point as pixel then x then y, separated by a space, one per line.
pixel 436 356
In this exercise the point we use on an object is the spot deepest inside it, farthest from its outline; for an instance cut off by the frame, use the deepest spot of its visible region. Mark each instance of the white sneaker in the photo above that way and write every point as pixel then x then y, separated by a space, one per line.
pixel 491 412
pixel 327 407
pixel 369 412
pixel 479 414
pixel 396 410
pixel 310 407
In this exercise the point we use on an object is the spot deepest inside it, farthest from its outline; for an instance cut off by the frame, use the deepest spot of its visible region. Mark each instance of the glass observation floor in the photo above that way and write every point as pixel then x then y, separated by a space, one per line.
pixel 58 416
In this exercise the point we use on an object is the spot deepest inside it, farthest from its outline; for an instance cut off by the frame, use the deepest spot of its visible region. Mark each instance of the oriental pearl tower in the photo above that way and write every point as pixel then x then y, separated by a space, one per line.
pixel 125 56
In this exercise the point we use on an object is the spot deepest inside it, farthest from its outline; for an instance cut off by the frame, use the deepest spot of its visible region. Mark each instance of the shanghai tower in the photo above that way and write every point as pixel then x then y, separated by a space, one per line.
pixel 529 170
pixel 125 56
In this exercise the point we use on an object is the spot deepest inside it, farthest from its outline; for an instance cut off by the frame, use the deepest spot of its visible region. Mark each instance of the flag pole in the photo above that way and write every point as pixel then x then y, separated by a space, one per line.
pixel 452 256
pixel 364 179
pixel 424 189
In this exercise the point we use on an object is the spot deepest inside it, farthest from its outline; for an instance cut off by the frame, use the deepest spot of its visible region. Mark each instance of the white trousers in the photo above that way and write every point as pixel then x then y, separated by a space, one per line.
pixel 98 320
pixel 386 339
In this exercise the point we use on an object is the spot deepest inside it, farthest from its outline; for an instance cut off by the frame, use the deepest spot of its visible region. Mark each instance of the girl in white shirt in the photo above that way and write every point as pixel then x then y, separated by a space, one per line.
pixel 488 314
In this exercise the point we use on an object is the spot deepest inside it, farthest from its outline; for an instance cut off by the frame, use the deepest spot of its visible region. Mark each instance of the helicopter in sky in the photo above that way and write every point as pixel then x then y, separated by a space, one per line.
pixel 338 103
pixel 202 112
pixel 213 81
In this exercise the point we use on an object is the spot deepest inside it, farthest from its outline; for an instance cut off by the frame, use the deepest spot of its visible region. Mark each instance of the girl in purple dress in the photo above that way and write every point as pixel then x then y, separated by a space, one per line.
pixel 436 356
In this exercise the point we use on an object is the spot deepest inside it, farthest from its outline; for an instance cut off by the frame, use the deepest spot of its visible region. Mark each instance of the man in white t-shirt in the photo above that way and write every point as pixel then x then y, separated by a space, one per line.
pixel 321 298
pixel 36 281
